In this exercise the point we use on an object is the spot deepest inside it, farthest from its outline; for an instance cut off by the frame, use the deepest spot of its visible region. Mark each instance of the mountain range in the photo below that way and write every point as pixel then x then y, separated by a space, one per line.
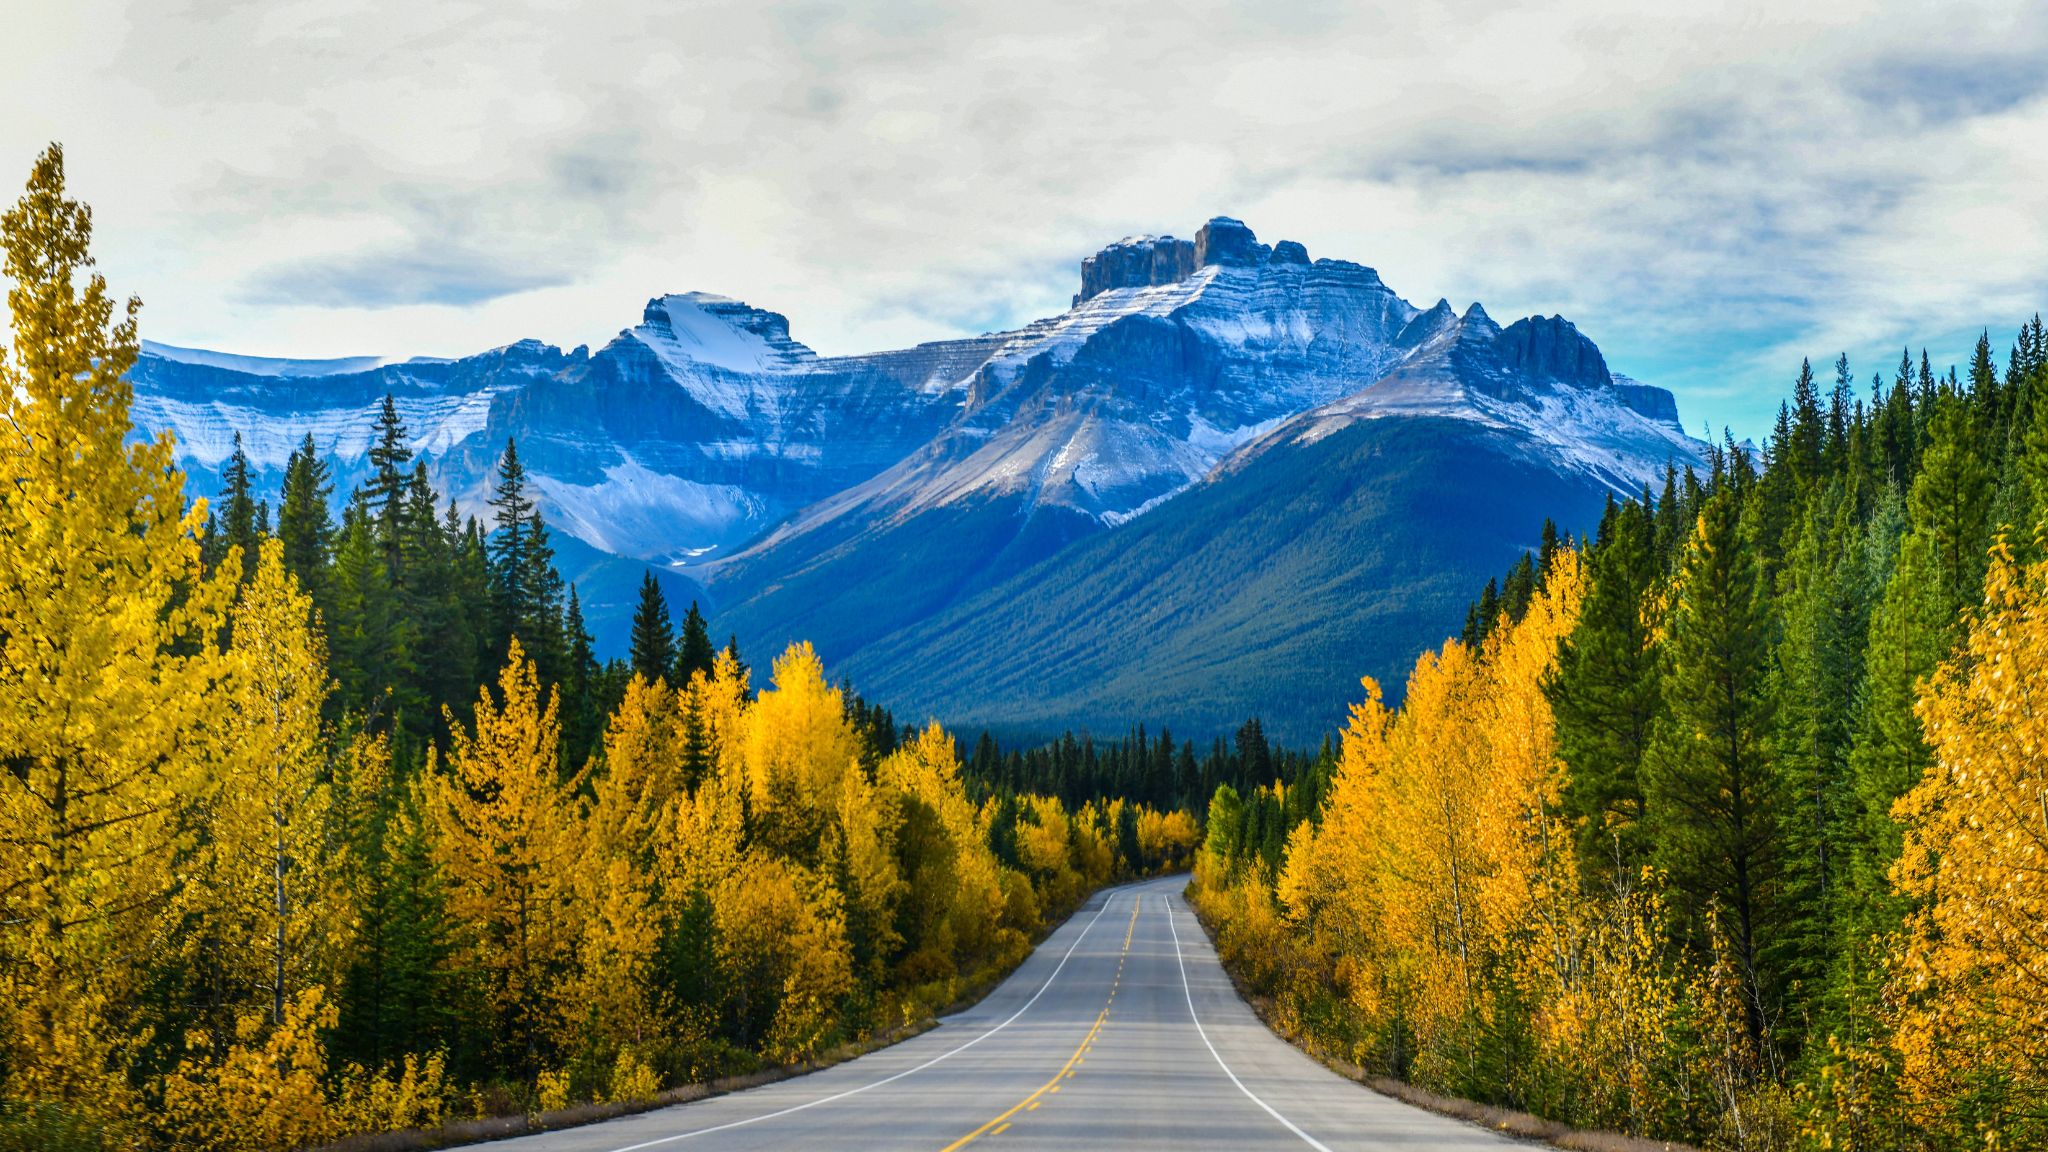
pixel 1228 480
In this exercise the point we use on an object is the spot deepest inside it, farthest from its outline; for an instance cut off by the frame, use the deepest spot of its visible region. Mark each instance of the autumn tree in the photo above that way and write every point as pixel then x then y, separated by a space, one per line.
pixel 1974 968
pixel 108 665
pixel 507 827
pixel 276 888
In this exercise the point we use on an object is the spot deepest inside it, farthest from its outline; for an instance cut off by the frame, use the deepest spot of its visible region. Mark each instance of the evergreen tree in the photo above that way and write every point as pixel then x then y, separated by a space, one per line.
pixel 1824 601
pixel 1605 693
pixel 238 512
pixel 526 587
pixel 1713 792
pixel 1809 435
pixel 1951 502
pixel 388 456
pixel 304 524
pixel 696 655
pixel 654 638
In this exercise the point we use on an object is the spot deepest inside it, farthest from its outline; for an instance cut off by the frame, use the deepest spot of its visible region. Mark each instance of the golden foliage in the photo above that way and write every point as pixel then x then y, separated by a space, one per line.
pixel 275 889
pixel 506 828
pixel 1973 963
pixel 262 1090
pixel 108 660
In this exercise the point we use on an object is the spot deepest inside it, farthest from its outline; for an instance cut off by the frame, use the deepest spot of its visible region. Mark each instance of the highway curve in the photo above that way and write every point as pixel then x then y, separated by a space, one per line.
pixel 1120 1031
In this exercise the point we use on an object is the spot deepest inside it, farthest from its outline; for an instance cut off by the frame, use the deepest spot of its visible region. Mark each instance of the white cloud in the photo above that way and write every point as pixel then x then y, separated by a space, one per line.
pixel 1709 191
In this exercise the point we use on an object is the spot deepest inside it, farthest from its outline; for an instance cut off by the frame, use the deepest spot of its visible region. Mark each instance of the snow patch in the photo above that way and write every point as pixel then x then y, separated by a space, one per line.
pixel 263 365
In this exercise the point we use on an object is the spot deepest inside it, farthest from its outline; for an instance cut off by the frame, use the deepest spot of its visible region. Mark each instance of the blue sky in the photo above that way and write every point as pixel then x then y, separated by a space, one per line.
pixel 1710 192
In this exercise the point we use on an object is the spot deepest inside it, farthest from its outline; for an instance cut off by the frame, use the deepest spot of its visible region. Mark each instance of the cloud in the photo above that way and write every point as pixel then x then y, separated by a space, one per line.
pixel 433 275
pixel 1709 191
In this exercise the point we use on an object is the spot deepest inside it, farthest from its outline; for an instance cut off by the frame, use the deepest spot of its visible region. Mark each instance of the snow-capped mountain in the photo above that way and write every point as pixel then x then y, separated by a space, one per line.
pixel 853 500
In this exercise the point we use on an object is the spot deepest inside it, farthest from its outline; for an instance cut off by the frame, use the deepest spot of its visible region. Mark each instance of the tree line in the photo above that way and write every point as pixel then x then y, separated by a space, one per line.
pixel 312 828
pixel 1727 825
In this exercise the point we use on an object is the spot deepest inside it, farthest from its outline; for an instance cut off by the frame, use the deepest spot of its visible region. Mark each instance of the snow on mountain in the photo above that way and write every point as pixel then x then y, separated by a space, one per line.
pixel 262 365
pixel 1539 379
pixel 705 438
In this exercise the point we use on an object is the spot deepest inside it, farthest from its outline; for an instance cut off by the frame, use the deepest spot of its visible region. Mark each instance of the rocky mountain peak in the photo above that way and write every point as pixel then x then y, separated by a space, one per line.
pixel 1226 241
pixel 1553 347
pixel 721 332
pixel 1290 252
pixel 1137 262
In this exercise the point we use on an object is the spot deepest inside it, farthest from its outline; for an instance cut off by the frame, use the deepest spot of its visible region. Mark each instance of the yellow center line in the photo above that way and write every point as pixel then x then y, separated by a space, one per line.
pixel 997 1126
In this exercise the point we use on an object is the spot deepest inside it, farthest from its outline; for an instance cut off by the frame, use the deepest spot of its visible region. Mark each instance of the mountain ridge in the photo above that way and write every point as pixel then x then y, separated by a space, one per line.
pixel 848 499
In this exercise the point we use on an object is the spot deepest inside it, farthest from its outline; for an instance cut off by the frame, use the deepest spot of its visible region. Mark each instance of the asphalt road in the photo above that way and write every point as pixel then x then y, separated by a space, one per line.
pixel 1120 1031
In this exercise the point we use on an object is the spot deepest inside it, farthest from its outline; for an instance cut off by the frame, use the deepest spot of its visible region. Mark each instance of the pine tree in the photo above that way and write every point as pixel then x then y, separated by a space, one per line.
pixel 304 523
pixel 696 655
pixel 654 638
pixel 368 638
pixel 238 511
pixel 584 699
pixel 1809 435
pixel 1951 502
pixel 388 456
pixel 1713 794
pixel 1605 693
pixel 526 587
pixel 1824 602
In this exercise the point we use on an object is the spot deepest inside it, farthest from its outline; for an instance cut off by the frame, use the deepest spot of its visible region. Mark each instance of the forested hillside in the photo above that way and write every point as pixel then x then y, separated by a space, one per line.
pixel 310 829
pixel 1728 825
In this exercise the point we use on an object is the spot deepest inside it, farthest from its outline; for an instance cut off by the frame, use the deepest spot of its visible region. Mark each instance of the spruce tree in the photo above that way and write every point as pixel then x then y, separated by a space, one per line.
pixel 526 588
pixel 653 636
pixel 304 524
pixel 1605 693
pixel 389 455
pixel 697 654
pixel 1951 502
pixel 1713 796
pixel 1824 603
pixel 238 510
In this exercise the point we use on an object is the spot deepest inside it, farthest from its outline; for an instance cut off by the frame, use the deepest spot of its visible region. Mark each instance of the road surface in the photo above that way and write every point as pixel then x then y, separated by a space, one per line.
pixel 1120 1031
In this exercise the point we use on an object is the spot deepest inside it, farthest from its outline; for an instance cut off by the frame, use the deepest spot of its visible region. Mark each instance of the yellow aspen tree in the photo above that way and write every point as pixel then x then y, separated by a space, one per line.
pixel 865 827
pixel 926 772
pixel 1433 916
pixel 506 830
pixel 1335 877
pixel 609 998
pixel 640 775
pixel 275 887
pixel 108 657
pixel 782 954
pixel 262 1090
pixel 1974 960
pixel 799 749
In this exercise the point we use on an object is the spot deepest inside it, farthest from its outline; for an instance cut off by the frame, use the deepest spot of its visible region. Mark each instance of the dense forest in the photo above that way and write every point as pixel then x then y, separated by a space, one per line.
pixel 1728 825
pixel 312 828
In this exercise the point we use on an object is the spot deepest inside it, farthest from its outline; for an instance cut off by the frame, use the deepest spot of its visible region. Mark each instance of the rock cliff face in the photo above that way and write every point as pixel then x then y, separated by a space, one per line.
pixel 1136 262
pixel 856 500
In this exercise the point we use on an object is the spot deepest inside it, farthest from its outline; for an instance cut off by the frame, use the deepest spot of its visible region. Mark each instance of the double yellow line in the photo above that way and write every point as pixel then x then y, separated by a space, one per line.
pixel 1000 1124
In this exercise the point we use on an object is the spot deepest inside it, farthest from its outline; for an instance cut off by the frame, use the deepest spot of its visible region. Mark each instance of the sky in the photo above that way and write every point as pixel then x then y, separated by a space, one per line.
pixel 1709 191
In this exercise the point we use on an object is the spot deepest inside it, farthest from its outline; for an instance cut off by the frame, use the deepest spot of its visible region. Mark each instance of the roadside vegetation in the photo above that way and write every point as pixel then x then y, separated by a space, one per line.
pixel 1729 825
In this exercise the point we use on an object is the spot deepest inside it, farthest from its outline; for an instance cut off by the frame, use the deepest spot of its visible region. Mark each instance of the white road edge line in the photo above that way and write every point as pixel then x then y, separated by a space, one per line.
pixel 900 1075
pixel 1204 1033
